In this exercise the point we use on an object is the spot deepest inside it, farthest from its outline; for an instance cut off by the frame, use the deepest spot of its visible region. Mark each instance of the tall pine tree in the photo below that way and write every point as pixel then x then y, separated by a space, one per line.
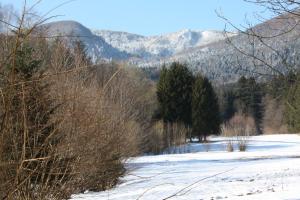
pixel 249 94
pixel 180 81
pixel 174 91
pixel 229 106
pixel 205 109
pixel 162 91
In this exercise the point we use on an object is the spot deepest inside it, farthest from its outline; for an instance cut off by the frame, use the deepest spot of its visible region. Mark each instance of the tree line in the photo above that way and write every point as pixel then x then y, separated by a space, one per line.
pixel 191 100
pixel 188 99
pixel 273 104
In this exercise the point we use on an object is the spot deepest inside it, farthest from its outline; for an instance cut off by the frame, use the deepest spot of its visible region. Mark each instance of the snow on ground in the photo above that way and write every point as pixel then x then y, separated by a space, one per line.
pixel 270 169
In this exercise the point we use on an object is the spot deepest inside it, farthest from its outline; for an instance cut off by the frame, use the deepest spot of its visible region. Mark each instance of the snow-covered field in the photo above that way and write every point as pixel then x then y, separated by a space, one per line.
pixel 270 169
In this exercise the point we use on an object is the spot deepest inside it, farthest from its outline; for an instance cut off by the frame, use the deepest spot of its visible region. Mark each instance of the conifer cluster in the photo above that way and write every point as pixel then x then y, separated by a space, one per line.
pixel 188 99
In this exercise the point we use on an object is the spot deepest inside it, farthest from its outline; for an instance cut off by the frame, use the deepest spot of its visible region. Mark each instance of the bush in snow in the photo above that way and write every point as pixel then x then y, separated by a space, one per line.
pixel 238 130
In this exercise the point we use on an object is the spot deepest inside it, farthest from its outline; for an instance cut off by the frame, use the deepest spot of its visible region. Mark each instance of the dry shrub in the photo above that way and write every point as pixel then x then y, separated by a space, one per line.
pixel 164 136
pixel 31 165
pixel 71 128
pixel 179 134
pixel 273 122
pixel 156 143
pixel 174 135
pixel 67 125
pixel 227 131
pixel 238 130
pixel 106 114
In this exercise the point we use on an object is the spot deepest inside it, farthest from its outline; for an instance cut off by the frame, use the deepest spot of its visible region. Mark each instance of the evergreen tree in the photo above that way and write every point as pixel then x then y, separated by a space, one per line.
pixel 205 109
pixel 229 105
pixel 292 110
pixel 180 82
pixel 162 95
pixel 249 95
pixel 243 94
pixel 174 90
pixel 256 107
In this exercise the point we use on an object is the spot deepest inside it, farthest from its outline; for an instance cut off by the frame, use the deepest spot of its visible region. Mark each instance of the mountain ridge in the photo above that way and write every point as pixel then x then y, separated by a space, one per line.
pixel 120 45
pixel 96 46
pixel 163 45
pixel 225 61
pixel 207 52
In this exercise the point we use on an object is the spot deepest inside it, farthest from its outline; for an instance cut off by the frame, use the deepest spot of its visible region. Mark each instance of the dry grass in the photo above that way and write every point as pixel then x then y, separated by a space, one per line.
pixel 156 141
pixel 238 130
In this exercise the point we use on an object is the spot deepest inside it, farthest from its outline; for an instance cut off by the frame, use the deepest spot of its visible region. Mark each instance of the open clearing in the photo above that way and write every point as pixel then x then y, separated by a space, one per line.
pixel 270 169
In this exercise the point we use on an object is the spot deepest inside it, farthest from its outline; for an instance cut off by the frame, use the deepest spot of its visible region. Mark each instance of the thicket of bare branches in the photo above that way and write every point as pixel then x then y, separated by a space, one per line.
pixel 67 125
pixel 106 114
pixel 31 166
pixel 238 130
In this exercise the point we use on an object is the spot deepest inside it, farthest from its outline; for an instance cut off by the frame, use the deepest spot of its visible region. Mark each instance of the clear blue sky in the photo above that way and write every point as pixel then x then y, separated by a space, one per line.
pixel 149 17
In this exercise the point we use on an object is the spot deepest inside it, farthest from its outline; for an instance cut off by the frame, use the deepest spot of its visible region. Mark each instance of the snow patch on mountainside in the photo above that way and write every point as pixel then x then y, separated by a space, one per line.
pixel 115 45
pixel 160 46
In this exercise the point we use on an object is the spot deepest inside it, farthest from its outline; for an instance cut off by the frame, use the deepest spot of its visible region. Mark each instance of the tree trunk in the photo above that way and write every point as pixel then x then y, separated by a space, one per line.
pixel 200 139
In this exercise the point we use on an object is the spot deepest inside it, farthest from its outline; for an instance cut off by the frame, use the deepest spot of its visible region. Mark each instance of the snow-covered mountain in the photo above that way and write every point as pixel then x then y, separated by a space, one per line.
pixel 96 46
pixel 224 61
pixel 114 45
pixel 159 46
pixel 204 51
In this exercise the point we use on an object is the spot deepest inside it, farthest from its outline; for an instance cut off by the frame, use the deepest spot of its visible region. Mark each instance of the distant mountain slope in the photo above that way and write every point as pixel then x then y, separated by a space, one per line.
pixel 96 46
pixel 206 51
pixel 159 46
pixel 113 45
pixel 222 61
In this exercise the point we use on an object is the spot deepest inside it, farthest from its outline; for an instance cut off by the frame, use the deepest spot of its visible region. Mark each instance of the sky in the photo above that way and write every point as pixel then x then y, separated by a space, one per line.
pixel 149 17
